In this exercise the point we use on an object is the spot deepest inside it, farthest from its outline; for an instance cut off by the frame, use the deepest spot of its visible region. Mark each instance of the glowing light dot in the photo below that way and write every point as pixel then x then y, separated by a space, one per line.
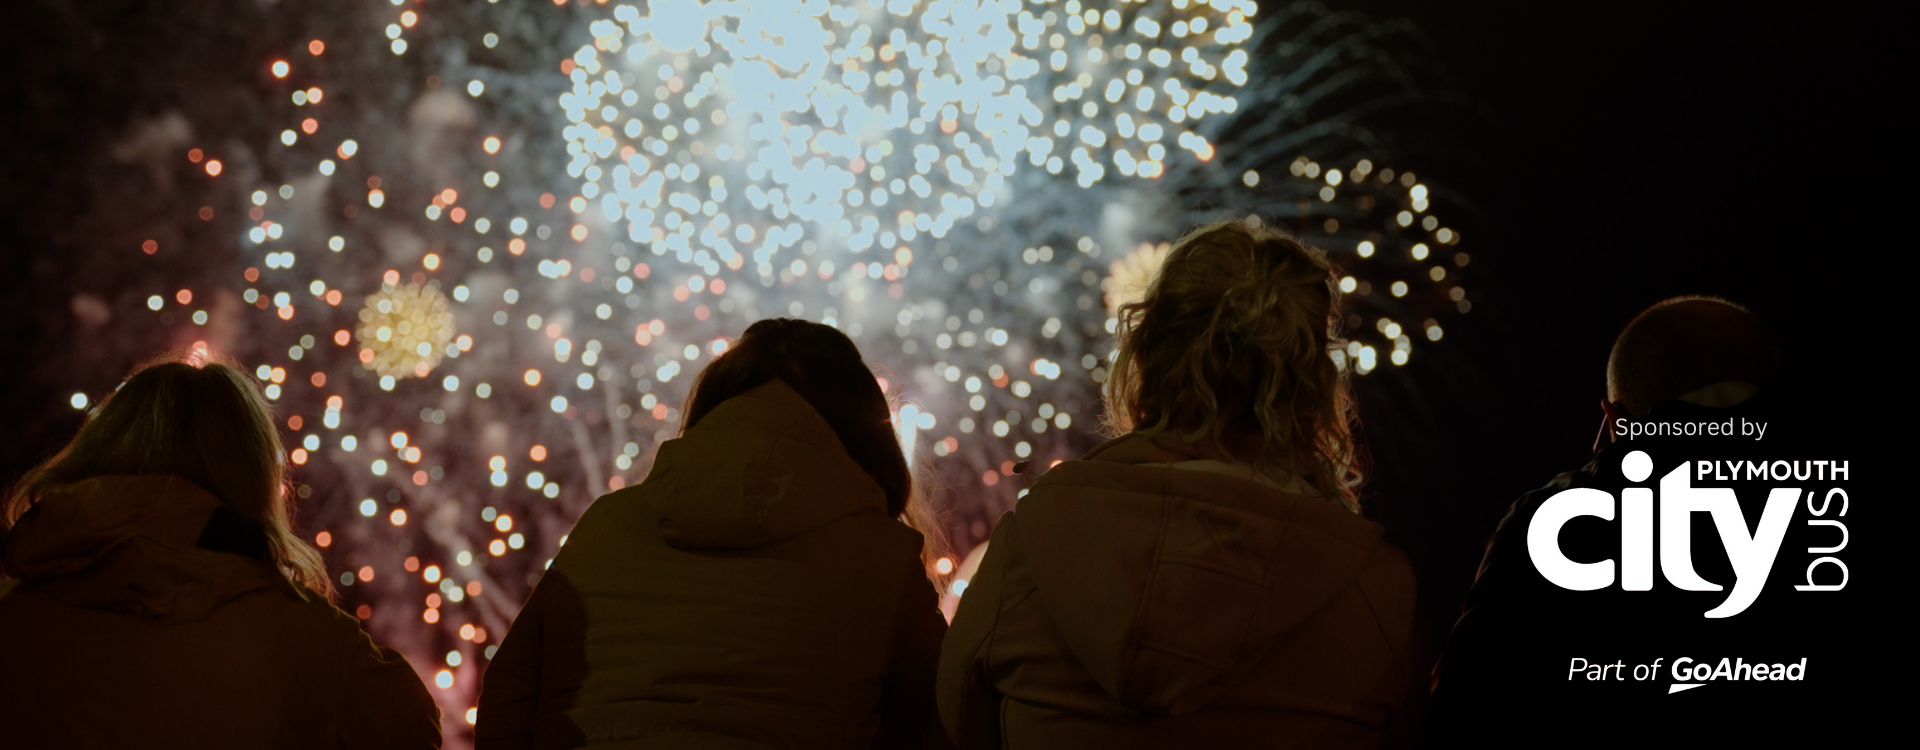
pixel 281 69
pixel 79 401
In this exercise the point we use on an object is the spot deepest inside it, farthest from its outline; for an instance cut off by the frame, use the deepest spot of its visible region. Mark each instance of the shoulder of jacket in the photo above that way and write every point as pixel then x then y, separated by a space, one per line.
pixel 891 535
pixel 1528 502
pixel 340 629
pixel 910 539
pixel 1045 492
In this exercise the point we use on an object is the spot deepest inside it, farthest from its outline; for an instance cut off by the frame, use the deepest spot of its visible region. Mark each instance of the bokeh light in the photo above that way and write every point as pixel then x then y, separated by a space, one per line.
pixel 405 331
pixel 486 304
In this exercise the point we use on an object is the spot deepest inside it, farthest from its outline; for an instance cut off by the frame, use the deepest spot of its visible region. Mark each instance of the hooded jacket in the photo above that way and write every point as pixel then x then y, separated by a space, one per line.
pixel 1131 603
pixel 751 593
pixel 121 629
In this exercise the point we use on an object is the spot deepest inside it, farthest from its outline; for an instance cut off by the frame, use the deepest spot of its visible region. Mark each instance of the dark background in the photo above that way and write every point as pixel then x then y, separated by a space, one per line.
pixel 1617 154
pixel 1633 152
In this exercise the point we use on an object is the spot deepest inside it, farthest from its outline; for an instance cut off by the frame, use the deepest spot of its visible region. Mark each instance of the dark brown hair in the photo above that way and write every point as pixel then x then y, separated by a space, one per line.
pixel 1231 346
pixel 195 416
pixel 822 365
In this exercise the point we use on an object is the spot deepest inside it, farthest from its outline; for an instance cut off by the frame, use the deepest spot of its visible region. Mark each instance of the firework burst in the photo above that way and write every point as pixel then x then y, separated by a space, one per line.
pixel 555 214
pixel 405 331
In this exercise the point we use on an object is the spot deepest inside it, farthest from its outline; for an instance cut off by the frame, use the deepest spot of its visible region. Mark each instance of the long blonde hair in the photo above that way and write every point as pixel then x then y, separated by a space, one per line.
pixel 195 416
pixel 1231 346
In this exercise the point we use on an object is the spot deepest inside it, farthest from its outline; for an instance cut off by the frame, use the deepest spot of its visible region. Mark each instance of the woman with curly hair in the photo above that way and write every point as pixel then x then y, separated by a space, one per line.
pixel 1203 579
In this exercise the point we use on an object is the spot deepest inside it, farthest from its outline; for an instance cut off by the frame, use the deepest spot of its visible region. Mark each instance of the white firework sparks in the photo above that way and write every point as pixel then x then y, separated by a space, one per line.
pixel 724 133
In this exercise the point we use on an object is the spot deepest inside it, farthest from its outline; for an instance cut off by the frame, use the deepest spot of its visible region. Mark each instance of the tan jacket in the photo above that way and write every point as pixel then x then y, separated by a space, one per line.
pixel 1129 604
pixel 124 633
pixel 751 593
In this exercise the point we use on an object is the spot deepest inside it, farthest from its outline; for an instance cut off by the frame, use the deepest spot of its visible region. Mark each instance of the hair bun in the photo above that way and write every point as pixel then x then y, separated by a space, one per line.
pixel 1230 345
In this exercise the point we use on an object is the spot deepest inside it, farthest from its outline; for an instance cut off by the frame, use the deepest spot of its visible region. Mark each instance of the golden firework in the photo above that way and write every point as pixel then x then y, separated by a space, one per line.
pixel 1129 277
pixel 404 331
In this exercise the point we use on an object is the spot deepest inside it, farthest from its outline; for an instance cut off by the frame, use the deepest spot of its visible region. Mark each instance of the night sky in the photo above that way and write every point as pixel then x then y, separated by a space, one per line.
pixel 1633 152
pixel 1611 155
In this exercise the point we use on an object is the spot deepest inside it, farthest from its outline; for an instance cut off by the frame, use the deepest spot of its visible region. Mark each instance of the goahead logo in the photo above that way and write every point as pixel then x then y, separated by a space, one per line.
pixel 1752 554
pixel 1687 673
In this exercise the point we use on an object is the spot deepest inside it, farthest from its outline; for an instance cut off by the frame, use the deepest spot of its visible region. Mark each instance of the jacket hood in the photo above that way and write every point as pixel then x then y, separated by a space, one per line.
pixel 1164 582
pixel 127 544
pixel 760 468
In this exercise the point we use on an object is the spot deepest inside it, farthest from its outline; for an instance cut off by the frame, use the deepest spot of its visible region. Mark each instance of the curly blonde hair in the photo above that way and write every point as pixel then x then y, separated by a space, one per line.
pixel 1231 346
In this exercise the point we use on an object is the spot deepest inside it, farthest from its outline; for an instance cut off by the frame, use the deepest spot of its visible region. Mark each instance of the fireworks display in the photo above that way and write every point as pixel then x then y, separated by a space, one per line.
pixel 491 245
pixel 405 331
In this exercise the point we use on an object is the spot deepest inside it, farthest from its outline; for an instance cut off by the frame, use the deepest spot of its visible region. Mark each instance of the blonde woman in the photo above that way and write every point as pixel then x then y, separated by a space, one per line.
pixel 155 594
pixel 1203 579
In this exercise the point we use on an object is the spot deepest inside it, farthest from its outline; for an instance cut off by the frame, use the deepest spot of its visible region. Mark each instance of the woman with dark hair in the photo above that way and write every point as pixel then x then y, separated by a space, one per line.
pixel 1203 579
pixel 758 590
pixel 156 595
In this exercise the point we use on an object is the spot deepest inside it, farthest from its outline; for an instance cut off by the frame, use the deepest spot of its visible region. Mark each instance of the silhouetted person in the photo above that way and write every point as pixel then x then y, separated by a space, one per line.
pixel 161 599
pixel 1508 676
pixel 1203 580
pixel 757 590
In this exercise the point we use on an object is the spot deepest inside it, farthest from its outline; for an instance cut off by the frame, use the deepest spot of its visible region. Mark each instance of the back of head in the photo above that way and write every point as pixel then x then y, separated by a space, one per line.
pixel 1684 344
pixel 822 365
pixel 194 416
pixel 1230 348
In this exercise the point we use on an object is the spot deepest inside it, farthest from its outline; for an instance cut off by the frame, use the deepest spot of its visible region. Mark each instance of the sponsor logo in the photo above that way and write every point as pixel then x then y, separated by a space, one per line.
pixel 1751 549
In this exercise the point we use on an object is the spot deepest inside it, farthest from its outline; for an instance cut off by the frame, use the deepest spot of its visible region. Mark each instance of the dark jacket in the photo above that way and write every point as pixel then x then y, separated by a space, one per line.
pixel 121 632
pixel 751 593
pixel 1127 603
pixel 1507 677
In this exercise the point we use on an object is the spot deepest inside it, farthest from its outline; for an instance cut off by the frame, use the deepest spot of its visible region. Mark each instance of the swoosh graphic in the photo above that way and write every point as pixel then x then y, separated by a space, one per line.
pixel 1679 686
